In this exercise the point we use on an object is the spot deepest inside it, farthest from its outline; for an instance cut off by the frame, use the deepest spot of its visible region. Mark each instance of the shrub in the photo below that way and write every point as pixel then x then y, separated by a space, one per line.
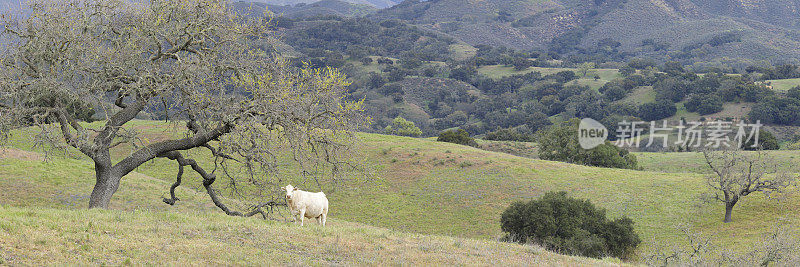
pixel 766 141
pixel 403 127
pixel 508 135
pixel 460 137
pixel 569 225
pixel 560 143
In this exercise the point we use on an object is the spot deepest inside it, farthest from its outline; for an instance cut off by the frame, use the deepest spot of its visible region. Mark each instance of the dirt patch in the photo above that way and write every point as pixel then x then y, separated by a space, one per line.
pixel 13 153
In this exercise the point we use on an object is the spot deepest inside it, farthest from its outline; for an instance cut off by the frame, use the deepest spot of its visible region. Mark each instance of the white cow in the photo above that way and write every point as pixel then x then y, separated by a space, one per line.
pixel 307 205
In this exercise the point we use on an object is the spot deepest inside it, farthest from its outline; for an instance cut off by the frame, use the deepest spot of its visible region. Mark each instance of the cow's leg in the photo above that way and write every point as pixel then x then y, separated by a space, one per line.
pixel 294 216
pixel 302 216
pixel 323 218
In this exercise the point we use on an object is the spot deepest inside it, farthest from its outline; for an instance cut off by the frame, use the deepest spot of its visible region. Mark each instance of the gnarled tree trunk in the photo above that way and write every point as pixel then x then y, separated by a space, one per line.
pixel 105 187
pixel 107 181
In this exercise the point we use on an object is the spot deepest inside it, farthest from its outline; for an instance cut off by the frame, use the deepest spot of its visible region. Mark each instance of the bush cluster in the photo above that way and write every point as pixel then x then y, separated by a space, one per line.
pixel 403 127
pixel 569 225
pixel 560 143
pixel 460 137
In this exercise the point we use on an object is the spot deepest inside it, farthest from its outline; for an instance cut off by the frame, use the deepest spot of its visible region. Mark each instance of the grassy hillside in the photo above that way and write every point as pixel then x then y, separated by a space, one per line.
pixel 784 84
pixel 423 186
pixel 605 75
pixel 43 221
pixel 319 8
pixel 693 162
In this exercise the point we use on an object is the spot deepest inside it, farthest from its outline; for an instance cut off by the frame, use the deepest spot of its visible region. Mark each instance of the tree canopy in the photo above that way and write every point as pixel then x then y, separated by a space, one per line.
pixel 194 62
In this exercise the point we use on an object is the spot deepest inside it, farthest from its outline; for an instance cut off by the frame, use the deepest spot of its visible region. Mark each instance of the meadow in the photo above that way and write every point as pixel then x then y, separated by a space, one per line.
pixel 426 187
pixel 43 221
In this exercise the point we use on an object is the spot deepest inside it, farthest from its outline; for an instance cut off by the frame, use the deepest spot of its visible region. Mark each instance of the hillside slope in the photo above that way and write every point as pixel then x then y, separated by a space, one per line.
pixel 43 221
pixel 424 186
pixel 321 8
pixel 375 3
pixel 694 30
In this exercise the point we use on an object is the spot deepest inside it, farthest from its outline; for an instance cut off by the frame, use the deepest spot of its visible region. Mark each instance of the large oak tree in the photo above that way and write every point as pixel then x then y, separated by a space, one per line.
pixel 194 62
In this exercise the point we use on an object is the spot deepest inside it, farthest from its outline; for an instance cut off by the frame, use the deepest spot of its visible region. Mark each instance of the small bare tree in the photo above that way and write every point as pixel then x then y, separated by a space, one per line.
pixel 191 61
pixel 737 174
pixel 778 247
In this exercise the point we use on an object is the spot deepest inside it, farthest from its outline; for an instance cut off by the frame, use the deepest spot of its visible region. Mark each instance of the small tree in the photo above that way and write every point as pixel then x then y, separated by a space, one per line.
pixel 403 127
pixel 736 174
pixel 584 68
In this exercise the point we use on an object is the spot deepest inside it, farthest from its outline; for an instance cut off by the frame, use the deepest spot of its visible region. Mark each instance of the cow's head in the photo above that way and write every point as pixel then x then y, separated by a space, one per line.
pixel 290 191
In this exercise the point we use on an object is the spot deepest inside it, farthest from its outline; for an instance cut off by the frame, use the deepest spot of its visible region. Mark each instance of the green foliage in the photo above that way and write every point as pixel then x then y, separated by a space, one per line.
pixel 403 127
pixel 794 92
pixel 569 225
pixel 508 134
pixel 560 143
pixel 704 104
pixel 766 141
pixel 777 110
pixel 460 137
pixel 388 38
pixel 657 110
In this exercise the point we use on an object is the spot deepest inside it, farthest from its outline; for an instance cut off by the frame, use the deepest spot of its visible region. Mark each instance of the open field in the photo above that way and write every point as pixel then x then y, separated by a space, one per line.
pixel 462 51
pixel 693 162
pixel 784 85
pixel 423 186
pixel 640 95
pixel 43 221
pixel 497 71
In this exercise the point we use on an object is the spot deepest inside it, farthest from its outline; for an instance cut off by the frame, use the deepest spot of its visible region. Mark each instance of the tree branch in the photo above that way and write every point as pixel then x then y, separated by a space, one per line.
pixel 208 181
pixel 151 151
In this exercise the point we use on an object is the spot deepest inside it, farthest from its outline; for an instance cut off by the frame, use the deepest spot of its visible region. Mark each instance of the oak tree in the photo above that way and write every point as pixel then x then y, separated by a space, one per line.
pixel 737 174
pixel 193 62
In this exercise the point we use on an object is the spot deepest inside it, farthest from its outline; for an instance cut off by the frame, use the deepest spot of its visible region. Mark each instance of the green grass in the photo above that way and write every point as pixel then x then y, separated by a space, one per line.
pixel 428 187
pixel 640 95
pixel 498 71
pixel 784 84
pixel 693 162
pixel 45 236
pixel 43 221
pixel 462 51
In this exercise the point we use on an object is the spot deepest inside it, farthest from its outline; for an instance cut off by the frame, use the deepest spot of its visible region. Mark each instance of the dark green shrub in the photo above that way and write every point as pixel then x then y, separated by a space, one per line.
pixel 560 143
pixel 766 141
pixel 569 225
pixel 508 135
pixel 460 137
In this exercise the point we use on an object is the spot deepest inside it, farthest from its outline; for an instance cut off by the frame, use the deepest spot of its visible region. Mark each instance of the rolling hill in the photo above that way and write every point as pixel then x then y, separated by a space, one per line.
pixel 43 221
pixel 427 187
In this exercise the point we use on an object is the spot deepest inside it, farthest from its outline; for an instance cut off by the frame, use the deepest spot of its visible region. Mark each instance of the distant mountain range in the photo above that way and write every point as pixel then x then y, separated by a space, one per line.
pixel 374 3
pixel 320 8
pixel 745 30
